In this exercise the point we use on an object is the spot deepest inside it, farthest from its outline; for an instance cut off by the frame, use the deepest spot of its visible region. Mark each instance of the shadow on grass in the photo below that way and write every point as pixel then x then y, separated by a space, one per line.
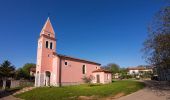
pixel 7 92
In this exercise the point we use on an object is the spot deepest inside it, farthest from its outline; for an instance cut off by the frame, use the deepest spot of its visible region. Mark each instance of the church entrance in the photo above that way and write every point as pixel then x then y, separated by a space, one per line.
pixel 98 78
pixel 47 78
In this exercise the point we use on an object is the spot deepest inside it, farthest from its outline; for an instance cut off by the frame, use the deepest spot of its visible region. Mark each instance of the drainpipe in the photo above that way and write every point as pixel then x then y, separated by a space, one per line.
pixel 60 64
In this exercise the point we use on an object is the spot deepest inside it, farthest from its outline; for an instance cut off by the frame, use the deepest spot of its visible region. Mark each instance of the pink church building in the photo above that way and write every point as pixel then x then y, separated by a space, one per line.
pixel 58 70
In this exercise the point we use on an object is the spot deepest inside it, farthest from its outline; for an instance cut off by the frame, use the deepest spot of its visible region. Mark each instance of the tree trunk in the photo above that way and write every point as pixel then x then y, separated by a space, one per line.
pixel 4 84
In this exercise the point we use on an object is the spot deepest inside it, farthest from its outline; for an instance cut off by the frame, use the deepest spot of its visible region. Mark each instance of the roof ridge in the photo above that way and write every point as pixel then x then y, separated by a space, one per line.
pixel 61 55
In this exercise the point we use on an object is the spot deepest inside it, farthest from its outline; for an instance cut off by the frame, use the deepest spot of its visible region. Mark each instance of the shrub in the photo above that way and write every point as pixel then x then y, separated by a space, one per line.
pixel 88 79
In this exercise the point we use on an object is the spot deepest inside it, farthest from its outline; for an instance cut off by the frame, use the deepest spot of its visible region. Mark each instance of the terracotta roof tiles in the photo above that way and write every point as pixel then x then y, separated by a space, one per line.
pixel 102 70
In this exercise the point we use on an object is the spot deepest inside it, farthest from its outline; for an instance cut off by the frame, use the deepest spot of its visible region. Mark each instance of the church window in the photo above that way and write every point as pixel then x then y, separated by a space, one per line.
pixel 46 44
pixel 48 34
pixel 66 63
pixel 39 45
pixel 84 69
pixel 51 45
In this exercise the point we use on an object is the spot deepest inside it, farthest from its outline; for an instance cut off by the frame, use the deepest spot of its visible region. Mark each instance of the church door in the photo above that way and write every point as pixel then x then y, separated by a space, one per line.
pixel 98 78
pixel 47 80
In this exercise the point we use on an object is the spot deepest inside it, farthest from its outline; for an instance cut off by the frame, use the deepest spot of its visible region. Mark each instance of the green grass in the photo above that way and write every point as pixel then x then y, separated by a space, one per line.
pixel 72 92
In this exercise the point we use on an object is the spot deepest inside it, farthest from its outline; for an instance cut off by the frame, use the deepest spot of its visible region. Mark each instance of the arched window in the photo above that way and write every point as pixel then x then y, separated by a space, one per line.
pixel 39 45
pixel 66 63
pixel 51 45
pixel 46 44
pixel 84 69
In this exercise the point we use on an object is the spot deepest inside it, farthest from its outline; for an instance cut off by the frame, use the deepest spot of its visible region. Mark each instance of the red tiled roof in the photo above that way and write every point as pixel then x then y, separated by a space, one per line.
pixel 138 68
pixel 78 59
pixel 101 70
pixel 43 35
pixel 33 69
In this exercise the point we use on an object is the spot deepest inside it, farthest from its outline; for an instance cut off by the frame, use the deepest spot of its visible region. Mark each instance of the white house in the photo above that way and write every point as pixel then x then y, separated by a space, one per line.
pixel 139 70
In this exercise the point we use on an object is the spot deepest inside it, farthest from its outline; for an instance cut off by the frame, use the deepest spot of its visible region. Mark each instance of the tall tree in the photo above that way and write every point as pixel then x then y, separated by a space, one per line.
pixel 24 72
pixel 20 74
pixel 114 68
pixel 6 71
pixel 157 45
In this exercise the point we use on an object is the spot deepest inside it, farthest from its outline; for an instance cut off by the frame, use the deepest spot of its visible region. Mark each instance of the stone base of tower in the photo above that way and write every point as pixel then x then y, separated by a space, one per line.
pixel 41 81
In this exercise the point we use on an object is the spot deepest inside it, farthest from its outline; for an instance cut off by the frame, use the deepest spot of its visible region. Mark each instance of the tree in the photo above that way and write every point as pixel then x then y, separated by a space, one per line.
pixel 20 74
pixel 26 69
pixel 114 68
pixel 6 71
pixel 157 45
pixel 123 73
pixel 24 72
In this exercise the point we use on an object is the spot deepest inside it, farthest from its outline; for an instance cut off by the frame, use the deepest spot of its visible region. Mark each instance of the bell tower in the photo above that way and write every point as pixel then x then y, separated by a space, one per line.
pixel 45 50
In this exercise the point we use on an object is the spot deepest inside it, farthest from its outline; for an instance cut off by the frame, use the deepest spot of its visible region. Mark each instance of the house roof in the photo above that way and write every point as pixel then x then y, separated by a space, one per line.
pixel 33 69
pixel 43 35
pixel 78 59
pixel 101 70
pixel 138 68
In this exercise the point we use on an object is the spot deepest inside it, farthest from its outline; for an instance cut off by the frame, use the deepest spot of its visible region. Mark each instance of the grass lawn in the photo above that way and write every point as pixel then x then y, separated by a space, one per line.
pixel 73 92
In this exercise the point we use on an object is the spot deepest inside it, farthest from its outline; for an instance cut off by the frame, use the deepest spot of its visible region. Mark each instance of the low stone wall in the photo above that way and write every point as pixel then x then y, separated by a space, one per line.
pixel 18 83
pixel 15 83
pixel 25 83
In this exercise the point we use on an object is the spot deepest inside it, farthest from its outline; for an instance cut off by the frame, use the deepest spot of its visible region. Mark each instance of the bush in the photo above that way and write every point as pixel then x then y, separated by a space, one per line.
pixel 88 79
pixel 125 76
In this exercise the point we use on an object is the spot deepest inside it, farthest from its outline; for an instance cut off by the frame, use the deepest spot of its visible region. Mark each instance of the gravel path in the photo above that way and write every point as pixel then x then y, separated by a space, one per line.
pixel 7 96
pixel 10 97
pixel 153 91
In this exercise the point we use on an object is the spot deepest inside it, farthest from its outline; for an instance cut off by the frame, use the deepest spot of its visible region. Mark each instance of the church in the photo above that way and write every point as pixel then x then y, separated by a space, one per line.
pixel 53 69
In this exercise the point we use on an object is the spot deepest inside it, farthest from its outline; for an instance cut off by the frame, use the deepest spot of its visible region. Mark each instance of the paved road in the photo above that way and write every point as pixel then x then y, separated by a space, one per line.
pixel 153 91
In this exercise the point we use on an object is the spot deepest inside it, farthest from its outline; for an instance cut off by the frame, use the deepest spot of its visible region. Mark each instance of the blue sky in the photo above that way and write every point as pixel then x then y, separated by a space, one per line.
pixel 104 31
